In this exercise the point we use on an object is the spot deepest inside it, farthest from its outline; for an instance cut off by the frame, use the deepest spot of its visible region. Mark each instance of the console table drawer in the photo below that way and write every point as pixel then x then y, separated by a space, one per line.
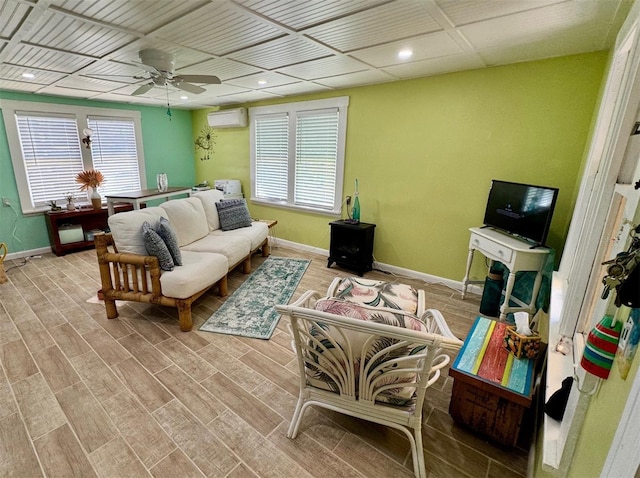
pixel 498 251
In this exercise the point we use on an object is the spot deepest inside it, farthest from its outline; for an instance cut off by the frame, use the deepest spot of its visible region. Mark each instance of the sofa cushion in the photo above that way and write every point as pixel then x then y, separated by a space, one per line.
pixel 256 233
pixel 168 235
pixel 209 199
pixel 398 395
pixel 235 248
pixel 187 218
pixel 126 228
pixel 155 246
pixel 233 214
pixel 198 271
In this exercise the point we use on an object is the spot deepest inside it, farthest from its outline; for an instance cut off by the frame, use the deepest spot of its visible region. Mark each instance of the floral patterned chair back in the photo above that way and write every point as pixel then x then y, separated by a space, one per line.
pixel 367 362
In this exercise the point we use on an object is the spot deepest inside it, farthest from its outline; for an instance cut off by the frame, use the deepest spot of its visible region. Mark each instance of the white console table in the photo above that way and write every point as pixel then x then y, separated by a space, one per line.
pixel 516 255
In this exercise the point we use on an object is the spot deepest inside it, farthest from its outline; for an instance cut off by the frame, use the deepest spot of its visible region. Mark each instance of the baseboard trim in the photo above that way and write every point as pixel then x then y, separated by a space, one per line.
pixel 27 253
pixel 397 271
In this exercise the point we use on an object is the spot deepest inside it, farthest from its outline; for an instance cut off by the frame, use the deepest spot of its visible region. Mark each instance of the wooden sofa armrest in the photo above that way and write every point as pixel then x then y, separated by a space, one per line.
pixel 126 272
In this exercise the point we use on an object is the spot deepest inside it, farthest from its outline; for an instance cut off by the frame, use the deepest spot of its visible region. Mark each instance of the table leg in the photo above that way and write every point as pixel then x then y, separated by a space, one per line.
pixel 465 281
pixel 507 295
pixel 109 207
pixel 534 293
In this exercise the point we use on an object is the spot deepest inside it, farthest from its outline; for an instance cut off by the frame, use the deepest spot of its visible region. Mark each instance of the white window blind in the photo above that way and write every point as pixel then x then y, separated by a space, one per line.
pixel 316 158
pixel 114 153
pixel 51 154
pixel 297 154
pixel 272 157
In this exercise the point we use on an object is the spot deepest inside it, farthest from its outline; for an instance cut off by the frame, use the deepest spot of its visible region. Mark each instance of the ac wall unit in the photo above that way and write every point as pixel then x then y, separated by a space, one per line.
pixel 234 118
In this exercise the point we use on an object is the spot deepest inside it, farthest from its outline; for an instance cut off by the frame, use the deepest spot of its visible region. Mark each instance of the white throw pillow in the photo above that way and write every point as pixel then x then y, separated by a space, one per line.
pixel 126 228
pixel 209 199
pixel 187 218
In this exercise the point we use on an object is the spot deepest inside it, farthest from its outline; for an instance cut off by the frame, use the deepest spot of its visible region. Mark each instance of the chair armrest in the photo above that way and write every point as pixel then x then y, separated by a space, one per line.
pixel 125 271
pixel 434 320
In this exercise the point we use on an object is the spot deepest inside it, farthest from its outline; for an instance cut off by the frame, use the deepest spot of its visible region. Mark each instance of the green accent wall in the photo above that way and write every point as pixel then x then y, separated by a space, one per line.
pixel 168 148
pixel 425 151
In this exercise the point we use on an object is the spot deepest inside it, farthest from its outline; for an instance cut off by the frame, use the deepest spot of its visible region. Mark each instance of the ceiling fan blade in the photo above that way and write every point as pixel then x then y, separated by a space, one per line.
pixel 195 89
pixel 143 89
pixel 208 79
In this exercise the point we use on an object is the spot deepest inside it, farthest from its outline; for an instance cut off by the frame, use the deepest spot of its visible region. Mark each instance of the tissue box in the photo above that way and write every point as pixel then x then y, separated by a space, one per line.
pixel 521 346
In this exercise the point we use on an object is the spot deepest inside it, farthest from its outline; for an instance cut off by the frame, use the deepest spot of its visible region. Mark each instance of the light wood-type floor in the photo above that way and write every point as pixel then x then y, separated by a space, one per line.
pixel 84 396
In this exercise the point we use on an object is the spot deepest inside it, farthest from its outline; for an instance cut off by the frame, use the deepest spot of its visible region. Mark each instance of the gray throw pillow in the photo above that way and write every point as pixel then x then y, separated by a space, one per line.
pixel 168 235
pixel 233 214
pixel 156 247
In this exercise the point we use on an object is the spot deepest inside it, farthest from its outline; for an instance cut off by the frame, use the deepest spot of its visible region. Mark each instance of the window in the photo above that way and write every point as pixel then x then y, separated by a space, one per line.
pixel 44 140
pixel 297 154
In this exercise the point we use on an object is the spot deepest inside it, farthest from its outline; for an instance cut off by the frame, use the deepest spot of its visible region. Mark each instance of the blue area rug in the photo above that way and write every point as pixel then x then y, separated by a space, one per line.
pixel 249 311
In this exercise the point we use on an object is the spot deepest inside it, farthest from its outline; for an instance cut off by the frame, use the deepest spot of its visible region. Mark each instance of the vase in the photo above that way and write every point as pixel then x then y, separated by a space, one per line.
pixel 71 206
pixel 95 198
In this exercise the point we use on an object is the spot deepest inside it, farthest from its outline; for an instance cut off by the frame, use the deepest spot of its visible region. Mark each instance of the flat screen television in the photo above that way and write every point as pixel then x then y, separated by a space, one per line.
pixel 523 210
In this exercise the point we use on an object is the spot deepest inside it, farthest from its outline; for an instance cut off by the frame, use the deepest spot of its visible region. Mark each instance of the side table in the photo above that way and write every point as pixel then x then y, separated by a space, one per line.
pixel 492 390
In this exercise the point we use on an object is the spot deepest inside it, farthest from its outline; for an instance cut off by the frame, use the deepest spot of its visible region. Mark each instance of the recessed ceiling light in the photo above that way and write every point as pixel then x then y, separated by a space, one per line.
pixel 28 75
pixel 262 82
pixel 404 54
pixel 184 97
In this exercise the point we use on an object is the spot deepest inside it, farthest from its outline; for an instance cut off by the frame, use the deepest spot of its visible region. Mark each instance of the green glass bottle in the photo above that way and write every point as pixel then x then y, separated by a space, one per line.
pixel 356 205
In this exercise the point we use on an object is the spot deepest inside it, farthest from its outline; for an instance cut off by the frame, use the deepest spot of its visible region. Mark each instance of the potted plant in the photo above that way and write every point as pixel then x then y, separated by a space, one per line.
pixel 70 204
pixel 90 180
pixel 54 207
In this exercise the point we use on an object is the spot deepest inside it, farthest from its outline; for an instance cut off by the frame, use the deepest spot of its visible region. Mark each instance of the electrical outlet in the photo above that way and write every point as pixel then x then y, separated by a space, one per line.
pixel 6 202
pixel 348 200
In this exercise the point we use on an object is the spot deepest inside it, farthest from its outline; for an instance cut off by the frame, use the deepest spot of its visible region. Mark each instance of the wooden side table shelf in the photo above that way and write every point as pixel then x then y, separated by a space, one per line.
pixel 492 390
pixel 352 245
pixel 516 255
pixel 87 218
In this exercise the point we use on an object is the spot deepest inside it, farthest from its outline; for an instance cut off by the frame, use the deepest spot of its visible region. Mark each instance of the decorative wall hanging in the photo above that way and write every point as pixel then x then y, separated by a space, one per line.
pixel 205 141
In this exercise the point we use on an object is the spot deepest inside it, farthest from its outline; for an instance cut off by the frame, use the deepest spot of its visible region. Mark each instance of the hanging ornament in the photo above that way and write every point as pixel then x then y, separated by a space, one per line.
pixel 205 141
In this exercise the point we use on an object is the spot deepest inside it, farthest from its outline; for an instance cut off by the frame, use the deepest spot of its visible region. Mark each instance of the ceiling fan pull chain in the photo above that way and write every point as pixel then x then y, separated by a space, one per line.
pixel 168 107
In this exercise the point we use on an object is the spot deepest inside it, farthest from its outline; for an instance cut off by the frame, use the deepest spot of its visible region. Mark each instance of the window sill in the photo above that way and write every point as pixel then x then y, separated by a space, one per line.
pixel 282 205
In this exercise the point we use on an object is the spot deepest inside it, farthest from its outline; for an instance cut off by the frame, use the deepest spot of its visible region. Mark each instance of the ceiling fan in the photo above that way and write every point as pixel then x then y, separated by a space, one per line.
pixel 159 67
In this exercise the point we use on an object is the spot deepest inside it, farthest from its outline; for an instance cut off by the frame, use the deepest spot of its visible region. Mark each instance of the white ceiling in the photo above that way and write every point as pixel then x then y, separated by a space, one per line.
pixel 296 46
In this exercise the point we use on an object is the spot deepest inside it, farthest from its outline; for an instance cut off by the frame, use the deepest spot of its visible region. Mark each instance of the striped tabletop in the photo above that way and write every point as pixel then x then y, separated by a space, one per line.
pixel 483 355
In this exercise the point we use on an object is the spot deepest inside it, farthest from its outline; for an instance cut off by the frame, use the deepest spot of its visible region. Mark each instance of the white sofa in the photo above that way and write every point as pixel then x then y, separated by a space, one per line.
pixel 208 253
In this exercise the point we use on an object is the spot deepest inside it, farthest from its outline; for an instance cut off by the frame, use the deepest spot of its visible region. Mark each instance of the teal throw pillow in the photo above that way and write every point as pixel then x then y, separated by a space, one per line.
pixel 156 247
pixel 233 214
pixel 168 235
